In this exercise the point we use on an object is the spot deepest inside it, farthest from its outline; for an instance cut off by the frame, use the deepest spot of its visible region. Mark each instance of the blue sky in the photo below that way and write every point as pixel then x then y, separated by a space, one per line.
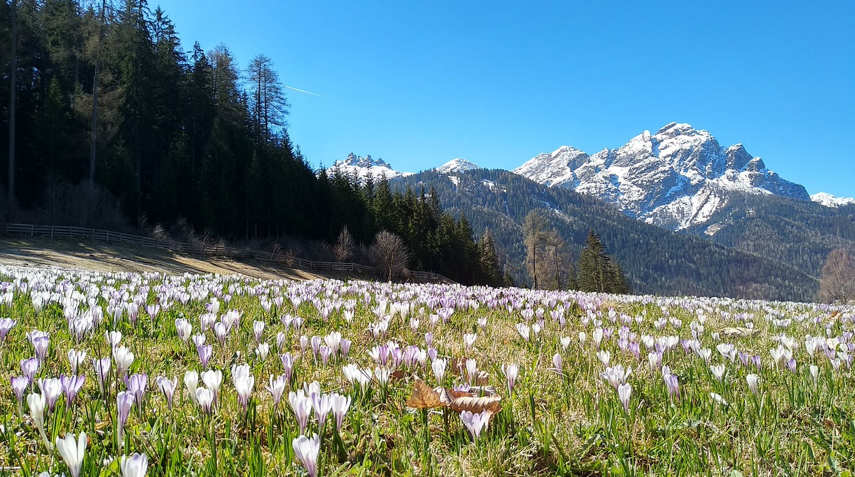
pixel 420 83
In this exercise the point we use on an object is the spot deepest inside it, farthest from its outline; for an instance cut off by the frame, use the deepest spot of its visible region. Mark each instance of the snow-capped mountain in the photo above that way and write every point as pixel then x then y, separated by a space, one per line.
pixel 364 167
pixel 829 200
pixel 675 178
pixel 456 165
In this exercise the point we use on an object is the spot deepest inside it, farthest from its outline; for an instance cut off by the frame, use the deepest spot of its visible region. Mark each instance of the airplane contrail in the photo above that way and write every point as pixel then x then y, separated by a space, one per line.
pixel 307 92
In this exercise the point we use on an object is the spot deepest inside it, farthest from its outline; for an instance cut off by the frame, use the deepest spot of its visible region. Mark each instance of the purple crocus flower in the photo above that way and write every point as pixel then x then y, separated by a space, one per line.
pixel 71 386
pixel 287 365
pixel 205 353
pixel 29 367
pixel 19 385
pixel 168 388
pixel 672 383
pixel 102 370
pixel 124 403
pixel 344 346
pixel 475 422
pixel 137 384
pixel 6 324
pixel 51 390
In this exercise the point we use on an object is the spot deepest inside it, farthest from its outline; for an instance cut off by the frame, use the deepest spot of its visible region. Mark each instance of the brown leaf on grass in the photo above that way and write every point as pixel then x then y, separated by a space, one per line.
pixel 477 404
pixel 739 332
pixel 447 396
pixel 424 397
pixel 396 375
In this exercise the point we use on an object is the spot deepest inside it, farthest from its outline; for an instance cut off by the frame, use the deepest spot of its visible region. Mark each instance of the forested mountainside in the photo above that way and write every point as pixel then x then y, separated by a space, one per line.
pixel 654 259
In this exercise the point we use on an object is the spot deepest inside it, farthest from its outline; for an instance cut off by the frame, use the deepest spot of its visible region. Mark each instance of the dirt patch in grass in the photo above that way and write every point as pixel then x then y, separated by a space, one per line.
pixel 106 257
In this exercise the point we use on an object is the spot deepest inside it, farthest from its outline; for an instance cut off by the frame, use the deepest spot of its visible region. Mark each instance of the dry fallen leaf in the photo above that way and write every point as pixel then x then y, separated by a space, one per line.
pixel 424 397
pixel 477 404
pixel 739 332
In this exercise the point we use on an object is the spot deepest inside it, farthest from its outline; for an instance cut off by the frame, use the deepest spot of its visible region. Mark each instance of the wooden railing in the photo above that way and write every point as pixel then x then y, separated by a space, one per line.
pixel 65 231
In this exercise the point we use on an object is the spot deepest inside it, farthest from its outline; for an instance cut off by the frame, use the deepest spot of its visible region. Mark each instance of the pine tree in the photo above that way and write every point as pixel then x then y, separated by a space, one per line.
pixel 491 274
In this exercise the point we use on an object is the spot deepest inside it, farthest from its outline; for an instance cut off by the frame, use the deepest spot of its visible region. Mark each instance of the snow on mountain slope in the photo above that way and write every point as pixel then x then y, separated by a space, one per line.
pixel 363 167
pixel 456 165
pixel 675 178
pixel 829 200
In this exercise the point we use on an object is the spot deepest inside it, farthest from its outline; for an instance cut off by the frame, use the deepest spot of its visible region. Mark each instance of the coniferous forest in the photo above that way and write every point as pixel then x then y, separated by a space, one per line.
pixel 117 124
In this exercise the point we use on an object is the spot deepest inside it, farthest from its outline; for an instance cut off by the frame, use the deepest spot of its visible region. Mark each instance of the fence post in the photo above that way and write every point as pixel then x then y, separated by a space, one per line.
pixel 51 231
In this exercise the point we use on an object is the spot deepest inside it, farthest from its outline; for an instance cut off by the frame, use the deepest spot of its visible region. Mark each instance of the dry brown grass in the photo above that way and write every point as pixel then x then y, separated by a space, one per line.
pixel 106 257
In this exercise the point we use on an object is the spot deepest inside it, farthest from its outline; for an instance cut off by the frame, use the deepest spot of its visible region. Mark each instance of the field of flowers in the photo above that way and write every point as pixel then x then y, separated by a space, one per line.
pixel 134 374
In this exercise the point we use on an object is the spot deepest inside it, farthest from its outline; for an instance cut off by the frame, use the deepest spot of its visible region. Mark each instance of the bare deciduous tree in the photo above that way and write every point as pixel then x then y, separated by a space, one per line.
pixel 838 277
pixel 343 249
pixel 389 253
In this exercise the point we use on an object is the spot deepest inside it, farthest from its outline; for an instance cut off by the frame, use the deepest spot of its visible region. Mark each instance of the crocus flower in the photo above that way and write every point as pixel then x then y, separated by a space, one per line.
pixel 438 367
pixel 753 381
pixel 72 451
pixel 19 385
pixel 672 383
pixel 102 371
pixel 814 372
pixel 167 387
pixel 624 392
pixel 29 368
pixel 524 331
pixel 322 406
pixel 302 407
pixel 6 325
pixel 258 330
pixel 306 450
pixel 340 404
pixel 137 384
pixel 75 359
pixel 262 351
pixel 475 422
pixel 40 345
pixel 124 403
pixel 604 357
pixel 472 370
pixel 277 387
pixel 243 386
pixel 205 399
pixel 511 372
pixel 71 386
pixel 213 379
pixel 124 358
pixel 51 390
pixel 135 465
pixel 382 374
pixel 205 352
pixel 36 404
pixel 113 338
pixel 558 363
pixel 191 381
pixel 717 398
pixel 344 346
pixel 718 371
pixel 287 365
pixel 184 328
pixel 469 340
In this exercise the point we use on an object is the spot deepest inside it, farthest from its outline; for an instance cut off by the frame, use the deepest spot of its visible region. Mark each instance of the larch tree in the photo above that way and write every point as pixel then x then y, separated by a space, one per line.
pixel 837 284
pixel 535 233
pixel 267 98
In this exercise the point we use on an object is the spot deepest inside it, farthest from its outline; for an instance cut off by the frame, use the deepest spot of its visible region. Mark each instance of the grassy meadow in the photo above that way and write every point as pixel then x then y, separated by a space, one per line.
pixel 150 374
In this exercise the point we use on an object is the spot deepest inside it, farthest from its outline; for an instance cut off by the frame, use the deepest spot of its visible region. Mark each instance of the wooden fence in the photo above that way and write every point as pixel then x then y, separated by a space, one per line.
pixel 64 231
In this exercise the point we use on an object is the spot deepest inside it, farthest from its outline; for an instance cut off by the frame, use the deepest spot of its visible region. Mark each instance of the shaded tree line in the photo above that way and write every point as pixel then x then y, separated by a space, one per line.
pixel 116 124
pixel 107 99
pixel 435 239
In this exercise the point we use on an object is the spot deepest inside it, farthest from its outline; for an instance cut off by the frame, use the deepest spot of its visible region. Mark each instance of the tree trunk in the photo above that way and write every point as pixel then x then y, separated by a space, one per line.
pixel 12 90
